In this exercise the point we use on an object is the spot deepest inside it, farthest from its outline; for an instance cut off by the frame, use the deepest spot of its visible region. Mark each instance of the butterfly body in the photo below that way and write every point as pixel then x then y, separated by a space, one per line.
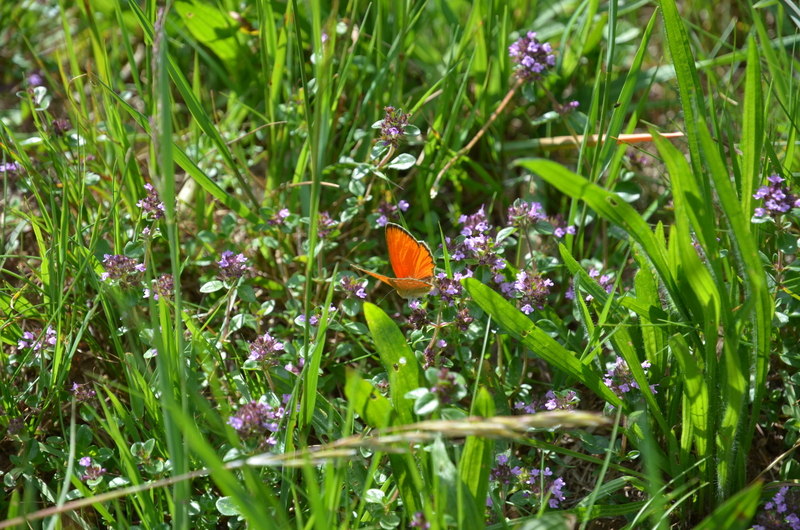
pixel 412 263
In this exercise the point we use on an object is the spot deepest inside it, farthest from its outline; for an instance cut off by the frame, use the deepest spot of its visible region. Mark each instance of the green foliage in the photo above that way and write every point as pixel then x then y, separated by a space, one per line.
pixel 611 333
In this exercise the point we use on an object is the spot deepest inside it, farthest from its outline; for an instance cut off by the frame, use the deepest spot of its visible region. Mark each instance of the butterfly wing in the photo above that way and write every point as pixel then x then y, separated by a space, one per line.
pixel 381 277
pixel 410 259
pixel 410 288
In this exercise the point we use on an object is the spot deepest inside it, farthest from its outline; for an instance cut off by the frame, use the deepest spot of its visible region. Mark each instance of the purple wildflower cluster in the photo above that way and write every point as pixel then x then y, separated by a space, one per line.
pixel 446 388
pixel 255 419
pixel 314 320
pixel 296 369
pixel 232 266
pixel 522 214
pixel 122 269
pixel 164 287
pixel 531 57
pixel 325 225
pixel 542 483
pixel 91 471
pixel 777 199
pixel 463 319
pixel 419 521
pixel 620 380
pixel 530 288
pixel 15 425
pixel 151 205
pixel 606 281
pixel 82 392
pixel 536 483
pixel 432 355
pixel 388 211
pixel 503 473
pixel 36 339
pixel 566 108
pixel 476 245
pixel 419 317
pixel 10 167
pixel 635 159
pixel 560 227
pixel 450 289
pixel 265 349
pixel 353 286
pixel 777 514
pixel 553 400
pixel 393 126
pixel 59 126
pixel 279 218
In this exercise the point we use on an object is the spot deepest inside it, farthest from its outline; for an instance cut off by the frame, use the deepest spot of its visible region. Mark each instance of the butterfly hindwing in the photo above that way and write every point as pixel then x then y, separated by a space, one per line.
pixel 409 258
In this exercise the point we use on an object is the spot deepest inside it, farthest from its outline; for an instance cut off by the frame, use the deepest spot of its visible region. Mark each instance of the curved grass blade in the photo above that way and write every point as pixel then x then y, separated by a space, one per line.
pixel 368 403
pixel 521 327
pixel 611 207
pixel 398 359
pixel 752 128
pixel 735 513
pixel 474 467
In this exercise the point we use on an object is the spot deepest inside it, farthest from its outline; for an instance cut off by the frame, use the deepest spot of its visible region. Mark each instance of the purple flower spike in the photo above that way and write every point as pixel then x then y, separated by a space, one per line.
pixel 531 57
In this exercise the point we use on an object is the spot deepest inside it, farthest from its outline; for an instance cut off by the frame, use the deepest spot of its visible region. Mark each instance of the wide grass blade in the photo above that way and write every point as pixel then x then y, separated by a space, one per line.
pixel 522 328
pixel 400 362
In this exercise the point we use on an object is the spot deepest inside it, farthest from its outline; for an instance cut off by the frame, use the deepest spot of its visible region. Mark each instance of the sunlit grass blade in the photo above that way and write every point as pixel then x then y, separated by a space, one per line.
pixel 522 328
pixel 398 359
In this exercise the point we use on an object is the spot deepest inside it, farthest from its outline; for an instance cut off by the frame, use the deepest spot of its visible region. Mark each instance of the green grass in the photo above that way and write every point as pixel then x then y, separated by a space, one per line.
pixel 261 126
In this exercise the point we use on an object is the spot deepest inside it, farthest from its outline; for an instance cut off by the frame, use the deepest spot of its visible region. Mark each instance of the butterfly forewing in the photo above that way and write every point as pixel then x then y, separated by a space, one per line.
pixel 409 258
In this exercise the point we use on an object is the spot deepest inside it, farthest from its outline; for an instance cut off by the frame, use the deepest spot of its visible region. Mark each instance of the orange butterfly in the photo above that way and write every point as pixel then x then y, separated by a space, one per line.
pixel 411 261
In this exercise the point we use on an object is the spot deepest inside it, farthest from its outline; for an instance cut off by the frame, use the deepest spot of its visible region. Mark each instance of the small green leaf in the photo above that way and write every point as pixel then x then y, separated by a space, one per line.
pixel 374 496
pixel 225 506
pixel 403 161
pixel 212 286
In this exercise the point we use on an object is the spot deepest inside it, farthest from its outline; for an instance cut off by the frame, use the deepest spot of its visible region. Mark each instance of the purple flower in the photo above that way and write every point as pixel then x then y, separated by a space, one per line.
pixel 232 266
pixel 531 289
pixel 419 521
pixel 393 126
pixel 474 224
pixel 521 214
pixel 463 319
pixel 776 197
pixel 446 387
pixel 531 57
pixel 504 473
pixel 279 218
pixel 403 205
pixel 35 80
pixel 164 287
pixel 126 271
pixel 151 205
pixel 567 107
pixel 353 286
pixel 620 380
pixel 82 393
pixel 256 419
pixel 450 290
pixel 265 349
pixel 59 126
pixel 541 484
pixel 36 339
pixel 781 511
pixel 419 317
pixel 295 369
pixel 92 472
pixel 325 225
pixel 10 167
